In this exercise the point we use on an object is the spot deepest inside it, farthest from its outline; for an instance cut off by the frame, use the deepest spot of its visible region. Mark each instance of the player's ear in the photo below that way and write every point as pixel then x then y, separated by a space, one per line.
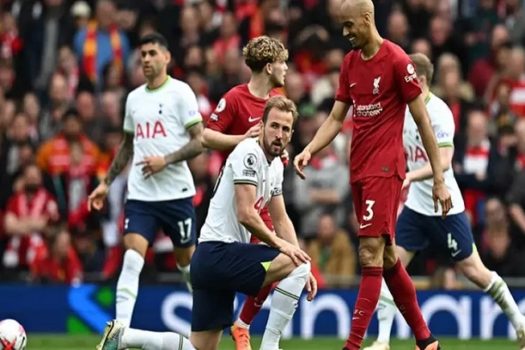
pixel 268 68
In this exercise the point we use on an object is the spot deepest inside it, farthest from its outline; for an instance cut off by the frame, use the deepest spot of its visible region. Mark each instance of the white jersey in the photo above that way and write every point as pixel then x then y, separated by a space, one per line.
pixel 159 120
pixel 420 192
pixel 247 164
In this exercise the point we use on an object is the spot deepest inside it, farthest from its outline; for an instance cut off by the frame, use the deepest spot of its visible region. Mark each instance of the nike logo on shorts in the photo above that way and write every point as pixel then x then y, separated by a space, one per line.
pixel 365 225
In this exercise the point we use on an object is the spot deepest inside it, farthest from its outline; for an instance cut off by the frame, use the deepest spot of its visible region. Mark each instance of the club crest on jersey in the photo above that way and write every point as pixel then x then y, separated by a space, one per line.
pixel 376 85
pixel 250 160
pixel 220 106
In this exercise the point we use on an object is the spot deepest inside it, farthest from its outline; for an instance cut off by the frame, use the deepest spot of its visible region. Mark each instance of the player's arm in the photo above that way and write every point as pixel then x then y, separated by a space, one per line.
pixel 326 133
pixel 420 115
pixel 245 200
pixel 190 150
pixel 216 140
pixel 445 152
pixel 124 154
pixel 281 221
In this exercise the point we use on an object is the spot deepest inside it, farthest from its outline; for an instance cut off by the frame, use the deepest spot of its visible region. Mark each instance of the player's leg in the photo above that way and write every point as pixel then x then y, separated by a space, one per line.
pixel 117 336
pixel 411 237
pixel 292 280
pixel 373 211
pixel 400 284
pixel 212 273
pixel 462 249
pixel 179 222
pixel 139 224
pixel 240 330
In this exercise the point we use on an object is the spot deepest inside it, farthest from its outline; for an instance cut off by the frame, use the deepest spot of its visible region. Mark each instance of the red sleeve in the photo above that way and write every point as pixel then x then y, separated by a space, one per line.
pixel 221 119
pixel 11 205
pixel 343 90
pixel 406 77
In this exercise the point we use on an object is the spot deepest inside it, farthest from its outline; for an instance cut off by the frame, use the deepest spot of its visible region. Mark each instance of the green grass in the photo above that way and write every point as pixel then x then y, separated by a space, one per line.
pixel 88 342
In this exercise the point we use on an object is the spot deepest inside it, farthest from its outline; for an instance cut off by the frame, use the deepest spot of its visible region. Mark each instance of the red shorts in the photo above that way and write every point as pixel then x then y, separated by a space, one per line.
pixel 265 215
pixel 376 200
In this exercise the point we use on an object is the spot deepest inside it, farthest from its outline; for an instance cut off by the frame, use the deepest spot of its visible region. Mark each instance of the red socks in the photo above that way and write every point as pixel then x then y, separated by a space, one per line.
pixel 253 305
pixel 404 293
pixel 365 305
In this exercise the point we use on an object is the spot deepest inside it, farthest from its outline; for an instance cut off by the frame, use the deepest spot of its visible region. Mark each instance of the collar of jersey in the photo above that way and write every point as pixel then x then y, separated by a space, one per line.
pixel 168 78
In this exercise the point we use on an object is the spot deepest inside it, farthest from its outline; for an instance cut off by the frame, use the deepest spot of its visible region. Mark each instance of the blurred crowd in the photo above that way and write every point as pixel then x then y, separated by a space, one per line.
pixel 66 67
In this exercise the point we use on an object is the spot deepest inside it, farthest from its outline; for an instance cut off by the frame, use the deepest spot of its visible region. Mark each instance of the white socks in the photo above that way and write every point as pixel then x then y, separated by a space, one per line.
pixel 136 338
pixel 499 291
pixel 284 302
pixel 128 286
pixel 185 271
pixel 386 311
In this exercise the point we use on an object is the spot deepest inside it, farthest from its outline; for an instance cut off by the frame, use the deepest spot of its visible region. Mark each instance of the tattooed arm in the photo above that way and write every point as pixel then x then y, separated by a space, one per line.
pixel 153 164
pixel 189 150
pixel 122 158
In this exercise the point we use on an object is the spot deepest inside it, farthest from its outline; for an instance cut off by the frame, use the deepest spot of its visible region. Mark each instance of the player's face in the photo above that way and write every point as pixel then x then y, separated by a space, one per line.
pixel 154 59
pixel 278 73
pixel 277 131
pixel 355 25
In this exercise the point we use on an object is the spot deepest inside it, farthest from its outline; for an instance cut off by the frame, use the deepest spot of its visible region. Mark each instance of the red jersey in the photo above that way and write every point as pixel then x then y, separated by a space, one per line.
pixel 379 90
pixel 21 249
pixel 237 111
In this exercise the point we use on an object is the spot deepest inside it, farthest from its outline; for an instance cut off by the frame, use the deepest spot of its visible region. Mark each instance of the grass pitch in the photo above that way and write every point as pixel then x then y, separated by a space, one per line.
pixel 88 342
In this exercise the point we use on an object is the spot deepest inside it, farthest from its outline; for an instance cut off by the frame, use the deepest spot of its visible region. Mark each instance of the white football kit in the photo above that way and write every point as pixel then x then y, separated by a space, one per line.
pixel 420 192
pixel 159 120
pixel 246 164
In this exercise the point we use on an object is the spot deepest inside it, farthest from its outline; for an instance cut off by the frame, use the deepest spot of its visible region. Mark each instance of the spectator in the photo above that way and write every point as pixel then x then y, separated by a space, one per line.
pixel 497 250
pixel 57 104
pixel 57 260
pixel 333 253
pixel 101 42
pixel 321 191
pixel 29 212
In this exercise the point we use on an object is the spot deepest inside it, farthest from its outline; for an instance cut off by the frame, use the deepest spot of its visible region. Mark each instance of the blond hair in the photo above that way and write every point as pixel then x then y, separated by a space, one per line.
pixel 263 50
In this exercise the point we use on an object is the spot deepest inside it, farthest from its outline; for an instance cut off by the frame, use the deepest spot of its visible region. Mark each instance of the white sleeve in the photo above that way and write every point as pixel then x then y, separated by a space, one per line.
pixel 443 125
pixel 278 189
pixel 245 165
pixel 129 126
pixel 189 108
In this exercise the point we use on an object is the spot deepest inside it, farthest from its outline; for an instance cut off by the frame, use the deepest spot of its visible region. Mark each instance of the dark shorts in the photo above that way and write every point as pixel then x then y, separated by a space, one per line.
pixel 175 217
pixel 218 271
pixel 452 235
pixel 376 201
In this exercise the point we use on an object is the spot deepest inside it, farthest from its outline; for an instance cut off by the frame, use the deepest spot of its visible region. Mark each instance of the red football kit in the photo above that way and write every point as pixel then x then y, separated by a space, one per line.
pixel 379 90
pixel 237 111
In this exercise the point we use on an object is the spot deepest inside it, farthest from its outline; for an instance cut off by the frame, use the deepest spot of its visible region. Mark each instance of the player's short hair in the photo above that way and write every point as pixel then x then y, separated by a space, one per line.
pixel 154 38
pixel 263 50
pixel 281 103
pixel 423 65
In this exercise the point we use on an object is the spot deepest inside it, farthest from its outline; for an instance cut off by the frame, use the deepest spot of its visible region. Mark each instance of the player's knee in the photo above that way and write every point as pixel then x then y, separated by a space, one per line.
pixel 370 255
pixel 302 271
pixel 389 260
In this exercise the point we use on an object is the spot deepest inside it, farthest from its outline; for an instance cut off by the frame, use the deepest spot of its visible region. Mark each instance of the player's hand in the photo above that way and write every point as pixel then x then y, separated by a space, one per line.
pixel 406 183
pixel 295 253
pixel 285 157
pixel 152 165
pixel 254 131
pixel 300 161
pixel 97 197
pixel 311 287
pixel 441 196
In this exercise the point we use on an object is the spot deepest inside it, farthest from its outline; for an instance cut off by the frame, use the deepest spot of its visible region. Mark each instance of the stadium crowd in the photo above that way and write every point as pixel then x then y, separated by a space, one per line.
pixel 66 67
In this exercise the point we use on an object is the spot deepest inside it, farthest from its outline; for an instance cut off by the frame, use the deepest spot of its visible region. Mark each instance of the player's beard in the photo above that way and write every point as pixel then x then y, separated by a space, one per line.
pixel 274 148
